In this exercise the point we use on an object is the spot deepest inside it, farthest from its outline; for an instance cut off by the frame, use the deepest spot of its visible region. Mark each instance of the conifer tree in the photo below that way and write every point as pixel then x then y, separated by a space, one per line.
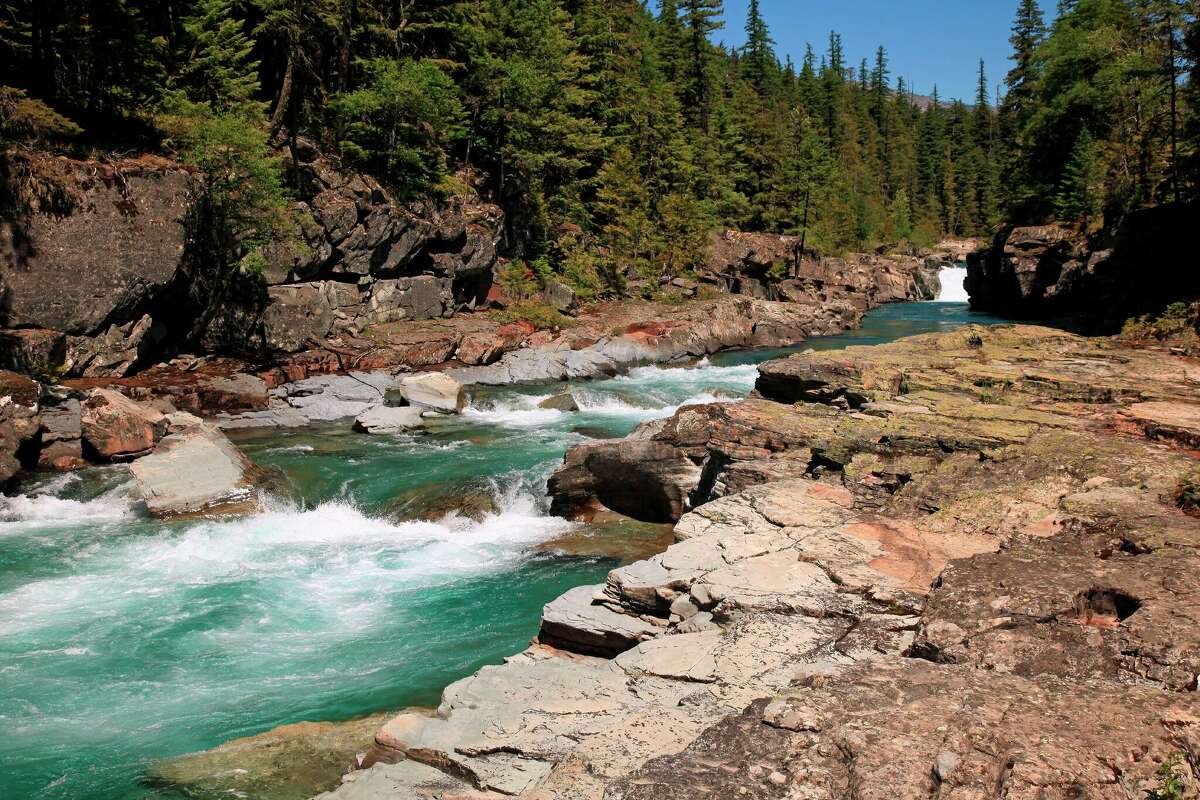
pixel 1079 188
pixel 758 55
pixel 700 19
pixel 217 68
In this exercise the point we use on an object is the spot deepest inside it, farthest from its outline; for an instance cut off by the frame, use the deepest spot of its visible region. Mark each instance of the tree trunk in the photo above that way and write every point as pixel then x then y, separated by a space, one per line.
pixel 285 91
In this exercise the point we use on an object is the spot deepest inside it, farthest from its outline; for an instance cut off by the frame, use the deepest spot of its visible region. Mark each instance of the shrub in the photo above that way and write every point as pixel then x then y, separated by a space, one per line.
pixel 539 315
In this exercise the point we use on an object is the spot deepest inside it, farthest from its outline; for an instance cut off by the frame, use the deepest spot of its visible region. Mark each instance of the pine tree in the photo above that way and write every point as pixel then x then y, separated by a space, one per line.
pixel 1079 189
pixel 700 19
pixel 218 69
pixel 759 64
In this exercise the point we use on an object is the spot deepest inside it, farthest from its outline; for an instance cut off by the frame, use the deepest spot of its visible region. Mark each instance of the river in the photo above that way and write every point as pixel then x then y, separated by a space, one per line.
pixel 124 640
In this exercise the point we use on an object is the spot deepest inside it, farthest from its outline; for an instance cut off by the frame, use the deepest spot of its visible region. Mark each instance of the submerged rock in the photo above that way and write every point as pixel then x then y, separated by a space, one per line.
pixel 291 762
pixel 564 401
pixel 196 470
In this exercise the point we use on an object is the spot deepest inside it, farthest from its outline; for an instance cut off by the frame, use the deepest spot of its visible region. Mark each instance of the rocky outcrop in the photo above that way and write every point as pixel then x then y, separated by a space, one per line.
pixel 923 570
pixel 196 470
pixel 115 276
pixel 1053 271
pixel 769 266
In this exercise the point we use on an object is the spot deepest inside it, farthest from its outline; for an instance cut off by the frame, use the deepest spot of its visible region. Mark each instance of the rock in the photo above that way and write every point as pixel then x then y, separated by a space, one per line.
pixel 76 271
pixel 389 420
pixel 645 479
pixel 116 428
pixel 575 622
pixel 197 471
pixel 296 315
pixel 116 352
pixel 895 727
pixel 19 422
pixel 291 761
pixel 61 434
pixel 33 351
pixel 333 397
pixel 1048 271
pixel 564 401
pixel 434 391
pixel 559 296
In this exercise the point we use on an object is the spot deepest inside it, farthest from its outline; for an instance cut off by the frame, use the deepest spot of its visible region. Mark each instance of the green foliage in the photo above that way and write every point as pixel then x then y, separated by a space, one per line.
pixel 617 138
pixel 517 280
pixel 23 118
pixel 1170 784
pixel 218 69
pixel 400 124
pixel 243 189
pixel 1079 188
pixel 539 315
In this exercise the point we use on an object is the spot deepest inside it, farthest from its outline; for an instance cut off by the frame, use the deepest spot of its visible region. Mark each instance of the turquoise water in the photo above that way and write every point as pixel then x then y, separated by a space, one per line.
pixel 125 640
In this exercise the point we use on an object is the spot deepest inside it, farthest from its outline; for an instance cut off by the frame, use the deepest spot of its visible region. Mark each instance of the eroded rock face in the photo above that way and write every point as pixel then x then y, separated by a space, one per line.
pixel 121 245
pixel 905 728
pixel 19 422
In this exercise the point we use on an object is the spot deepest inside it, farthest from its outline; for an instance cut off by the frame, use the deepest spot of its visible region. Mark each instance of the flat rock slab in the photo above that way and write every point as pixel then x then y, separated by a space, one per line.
pixel 388 420
pixel 577 623
pixel 197 471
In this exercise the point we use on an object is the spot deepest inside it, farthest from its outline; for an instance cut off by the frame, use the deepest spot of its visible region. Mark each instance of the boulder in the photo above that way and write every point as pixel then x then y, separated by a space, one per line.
pixel 116 428
pixel 18 420
pixel 388 420
pixel 61 434
pixel 648 480
pixel 434 391
pixel 296 314
pixel 577 623
pixel 559 295
pixel 564 401
pixel 33 351
pixel 197 471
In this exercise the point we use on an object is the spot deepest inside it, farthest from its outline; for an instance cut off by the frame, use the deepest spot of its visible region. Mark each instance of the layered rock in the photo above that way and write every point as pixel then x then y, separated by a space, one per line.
pixel 1051 270
pixel 926 569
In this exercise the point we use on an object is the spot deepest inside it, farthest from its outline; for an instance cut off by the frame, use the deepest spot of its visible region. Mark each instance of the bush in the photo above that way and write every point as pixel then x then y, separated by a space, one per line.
pixel 539 315
pixel 1170 785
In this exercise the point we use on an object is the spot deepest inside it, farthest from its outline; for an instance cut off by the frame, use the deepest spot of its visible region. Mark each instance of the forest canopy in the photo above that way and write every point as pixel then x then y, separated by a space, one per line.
pixel 617 135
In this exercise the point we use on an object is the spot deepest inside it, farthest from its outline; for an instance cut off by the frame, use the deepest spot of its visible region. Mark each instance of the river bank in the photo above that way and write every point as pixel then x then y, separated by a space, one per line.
pixel 794 639
pixel 337 590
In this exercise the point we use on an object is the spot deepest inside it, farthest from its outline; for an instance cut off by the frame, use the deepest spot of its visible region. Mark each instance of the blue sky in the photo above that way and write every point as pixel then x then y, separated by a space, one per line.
pixel 928 41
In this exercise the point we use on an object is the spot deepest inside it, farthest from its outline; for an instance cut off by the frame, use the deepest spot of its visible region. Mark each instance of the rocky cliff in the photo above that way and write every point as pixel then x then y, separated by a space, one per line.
pixel 116 276
pixel 1054 271
pixel 957 566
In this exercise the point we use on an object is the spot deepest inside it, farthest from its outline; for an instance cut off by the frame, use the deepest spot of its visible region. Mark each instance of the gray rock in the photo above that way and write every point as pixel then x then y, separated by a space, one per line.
pixel 384 420
pixel 434 391
pixel 575 622
pixel 559 295
pixel 296 314
pixel 197 471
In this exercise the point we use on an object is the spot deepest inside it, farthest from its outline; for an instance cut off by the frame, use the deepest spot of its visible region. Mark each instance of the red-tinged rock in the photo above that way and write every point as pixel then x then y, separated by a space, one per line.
pixel 116 428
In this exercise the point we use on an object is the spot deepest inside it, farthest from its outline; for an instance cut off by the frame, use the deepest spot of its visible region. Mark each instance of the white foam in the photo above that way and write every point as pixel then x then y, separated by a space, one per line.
pixel 514 410
pixel 24 512
pixel 953 290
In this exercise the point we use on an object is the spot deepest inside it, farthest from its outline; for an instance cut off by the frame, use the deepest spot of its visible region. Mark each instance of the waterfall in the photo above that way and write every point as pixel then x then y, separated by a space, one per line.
pixel 952 285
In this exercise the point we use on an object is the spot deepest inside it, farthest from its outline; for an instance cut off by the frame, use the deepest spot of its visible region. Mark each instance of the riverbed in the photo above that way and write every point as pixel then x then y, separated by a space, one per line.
pixel 385 569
